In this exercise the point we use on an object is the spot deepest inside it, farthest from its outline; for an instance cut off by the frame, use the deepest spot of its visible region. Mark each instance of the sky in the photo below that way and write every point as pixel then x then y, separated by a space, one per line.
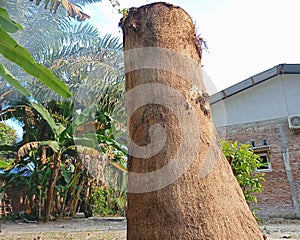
pixel 244 37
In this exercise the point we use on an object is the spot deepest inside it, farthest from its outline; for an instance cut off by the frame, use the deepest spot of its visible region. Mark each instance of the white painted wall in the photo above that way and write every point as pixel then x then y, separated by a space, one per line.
pixel 275 98
pixel 292 91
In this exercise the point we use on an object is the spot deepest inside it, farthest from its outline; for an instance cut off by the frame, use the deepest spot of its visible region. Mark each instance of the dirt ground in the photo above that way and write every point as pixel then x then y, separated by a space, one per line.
pixel 77 229
pixel 114 229
pixel 277 229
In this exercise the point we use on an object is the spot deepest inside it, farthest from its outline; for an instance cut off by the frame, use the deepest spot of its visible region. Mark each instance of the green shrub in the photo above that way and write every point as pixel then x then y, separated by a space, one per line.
pixel 107 201
pixel 244 163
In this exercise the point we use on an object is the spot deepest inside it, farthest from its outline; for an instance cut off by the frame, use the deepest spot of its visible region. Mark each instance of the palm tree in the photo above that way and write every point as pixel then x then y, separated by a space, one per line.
pixel 87 63
pixel 39 24
pixel 33 18
pixel 74 52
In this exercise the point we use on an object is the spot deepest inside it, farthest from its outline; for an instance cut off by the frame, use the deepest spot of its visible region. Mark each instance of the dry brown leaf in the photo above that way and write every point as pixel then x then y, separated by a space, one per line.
pixel 72 10
pixel 5 93
pixel 26 148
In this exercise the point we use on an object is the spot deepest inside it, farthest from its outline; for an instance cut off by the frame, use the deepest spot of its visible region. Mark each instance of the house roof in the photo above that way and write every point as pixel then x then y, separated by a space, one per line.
pixel 254 80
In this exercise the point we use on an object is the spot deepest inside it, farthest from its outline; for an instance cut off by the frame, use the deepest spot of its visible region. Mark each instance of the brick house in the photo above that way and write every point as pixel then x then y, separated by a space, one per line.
pixel 264 111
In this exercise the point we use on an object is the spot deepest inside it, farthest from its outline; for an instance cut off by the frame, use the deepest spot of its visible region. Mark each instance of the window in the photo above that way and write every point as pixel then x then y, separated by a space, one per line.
pixel 266 163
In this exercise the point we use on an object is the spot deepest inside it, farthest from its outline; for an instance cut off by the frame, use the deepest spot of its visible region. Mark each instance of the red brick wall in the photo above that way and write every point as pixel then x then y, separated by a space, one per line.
pixel 281 196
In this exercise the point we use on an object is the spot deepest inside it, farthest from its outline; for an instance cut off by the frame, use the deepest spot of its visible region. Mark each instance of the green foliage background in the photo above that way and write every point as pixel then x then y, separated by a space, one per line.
pixel 7 134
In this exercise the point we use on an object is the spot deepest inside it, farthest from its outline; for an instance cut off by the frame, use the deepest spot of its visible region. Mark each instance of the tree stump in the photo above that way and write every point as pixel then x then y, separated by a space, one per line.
pixel 180 186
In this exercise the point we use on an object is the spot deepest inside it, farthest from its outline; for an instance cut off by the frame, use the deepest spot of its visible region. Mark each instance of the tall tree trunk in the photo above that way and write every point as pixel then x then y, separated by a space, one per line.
pixel 180 185
pixel 52 182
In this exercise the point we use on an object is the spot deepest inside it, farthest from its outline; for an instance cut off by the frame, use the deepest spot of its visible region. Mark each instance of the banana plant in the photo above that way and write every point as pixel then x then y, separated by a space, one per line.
pixel 51 150
pixel 50 154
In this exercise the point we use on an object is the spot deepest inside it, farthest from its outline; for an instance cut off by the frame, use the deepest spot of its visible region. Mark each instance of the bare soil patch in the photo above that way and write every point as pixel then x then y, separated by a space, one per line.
pixel 114 229
pixel 87 229
pixel 277 229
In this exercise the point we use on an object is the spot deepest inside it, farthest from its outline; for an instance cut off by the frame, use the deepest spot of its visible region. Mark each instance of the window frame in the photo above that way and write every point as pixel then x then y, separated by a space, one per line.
pixel 269 167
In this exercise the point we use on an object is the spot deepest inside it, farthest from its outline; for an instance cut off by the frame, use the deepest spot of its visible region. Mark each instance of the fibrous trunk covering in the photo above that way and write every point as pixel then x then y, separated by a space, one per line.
pixel 180 186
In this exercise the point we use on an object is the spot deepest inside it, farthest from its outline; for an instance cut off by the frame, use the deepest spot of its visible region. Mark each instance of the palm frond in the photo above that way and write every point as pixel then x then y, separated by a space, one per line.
pixel 40 27
pixel 83 30
pixel 92 68
pixel 72 9
pixel 71 41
